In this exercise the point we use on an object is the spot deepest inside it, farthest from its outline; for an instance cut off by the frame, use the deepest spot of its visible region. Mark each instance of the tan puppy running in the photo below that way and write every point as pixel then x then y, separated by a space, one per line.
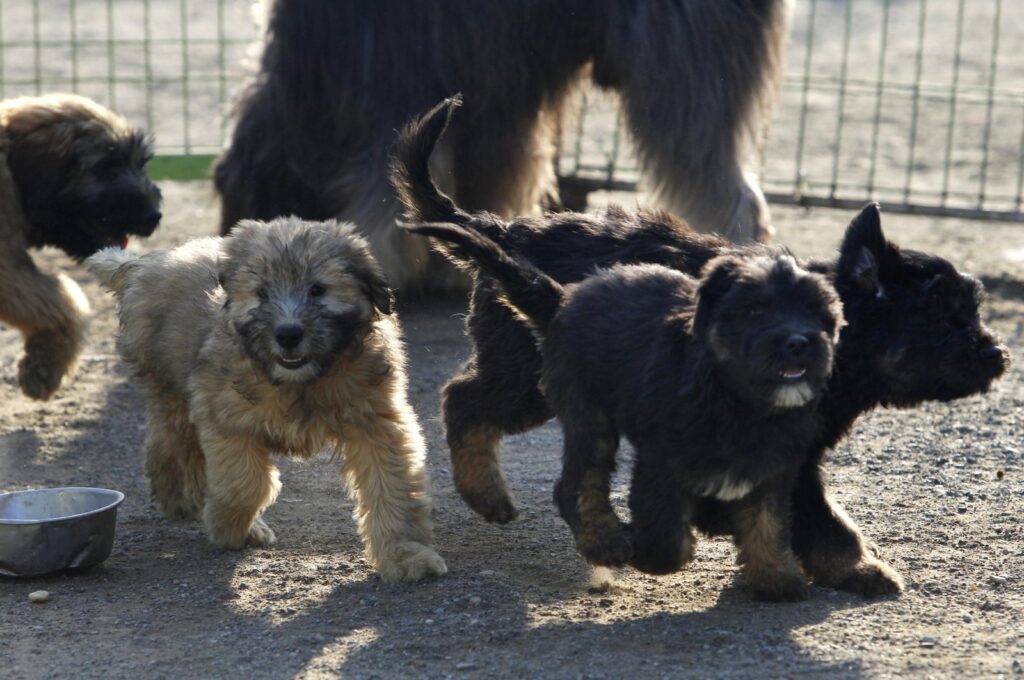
pixel 277 339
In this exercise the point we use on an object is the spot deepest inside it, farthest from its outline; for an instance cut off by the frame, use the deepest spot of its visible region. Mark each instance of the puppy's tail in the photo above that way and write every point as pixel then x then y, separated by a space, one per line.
pixel 410 167
pixel 422 198
pixel 111 266
pixel 531 292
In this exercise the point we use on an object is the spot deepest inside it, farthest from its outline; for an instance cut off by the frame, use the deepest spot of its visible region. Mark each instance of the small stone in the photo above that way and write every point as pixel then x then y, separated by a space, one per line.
pixel 927 642
pixel 486 572
pixel 429 622
pixel 997 580
pixel 39 596
pixel 605 602
pixel 465 666
pixel 968 618
pixel 1017 668
pixel 474 600
pixel 1000 473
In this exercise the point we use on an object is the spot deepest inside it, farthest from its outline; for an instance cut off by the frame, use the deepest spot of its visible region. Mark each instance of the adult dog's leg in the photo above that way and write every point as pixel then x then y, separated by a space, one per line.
pixel 830 545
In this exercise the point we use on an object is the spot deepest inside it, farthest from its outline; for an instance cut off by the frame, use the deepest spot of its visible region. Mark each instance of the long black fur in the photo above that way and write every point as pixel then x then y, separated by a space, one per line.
pixel 913 308
pixel 337 79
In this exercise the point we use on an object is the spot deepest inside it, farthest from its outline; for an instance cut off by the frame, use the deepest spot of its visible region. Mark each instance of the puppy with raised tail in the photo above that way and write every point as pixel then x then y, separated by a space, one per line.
pixel 279 339
pixel 713 380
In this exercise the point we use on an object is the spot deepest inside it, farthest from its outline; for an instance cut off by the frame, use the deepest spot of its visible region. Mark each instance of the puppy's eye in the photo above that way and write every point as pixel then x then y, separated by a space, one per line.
pixel 261 293
pixel 316 290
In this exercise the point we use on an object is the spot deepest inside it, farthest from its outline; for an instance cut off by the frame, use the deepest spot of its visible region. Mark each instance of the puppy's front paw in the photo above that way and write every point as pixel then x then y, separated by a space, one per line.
pixel 606 542
pixel 260 535
pixel 410 561
pixel 871 578
pixel 39 376
pixel 237 537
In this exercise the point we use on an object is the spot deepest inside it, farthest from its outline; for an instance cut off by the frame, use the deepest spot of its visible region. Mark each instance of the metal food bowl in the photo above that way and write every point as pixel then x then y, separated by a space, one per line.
pixel 47 530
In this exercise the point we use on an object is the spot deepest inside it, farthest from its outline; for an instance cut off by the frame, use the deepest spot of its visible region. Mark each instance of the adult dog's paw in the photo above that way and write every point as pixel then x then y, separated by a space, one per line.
pixel 39 376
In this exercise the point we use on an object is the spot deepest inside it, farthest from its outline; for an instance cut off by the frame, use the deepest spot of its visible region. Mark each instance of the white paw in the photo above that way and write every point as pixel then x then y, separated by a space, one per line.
pixel 260 535
pixel 410 561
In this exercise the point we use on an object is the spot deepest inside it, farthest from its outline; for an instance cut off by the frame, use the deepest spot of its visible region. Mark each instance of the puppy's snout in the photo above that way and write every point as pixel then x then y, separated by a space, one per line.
pixel 288 336
pixel 796 345
pixel 150 220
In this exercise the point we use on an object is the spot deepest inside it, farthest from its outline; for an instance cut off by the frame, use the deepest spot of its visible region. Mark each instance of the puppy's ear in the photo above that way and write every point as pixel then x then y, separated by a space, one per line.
pixel 865 251
pixel 39 156
pixel 371 279
pixel 718 277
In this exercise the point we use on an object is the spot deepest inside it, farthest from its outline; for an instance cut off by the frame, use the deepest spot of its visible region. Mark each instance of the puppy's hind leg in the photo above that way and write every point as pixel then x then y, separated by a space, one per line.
pixel 582 493
pixel 761 521
pixel 241 482
pixel 495 394
pixel 384 468
pixel 175 464
pixel 829 544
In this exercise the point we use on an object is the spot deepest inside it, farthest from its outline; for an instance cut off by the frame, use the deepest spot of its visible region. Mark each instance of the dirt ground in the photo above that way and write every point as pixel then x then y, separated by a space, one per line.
pixel 515 602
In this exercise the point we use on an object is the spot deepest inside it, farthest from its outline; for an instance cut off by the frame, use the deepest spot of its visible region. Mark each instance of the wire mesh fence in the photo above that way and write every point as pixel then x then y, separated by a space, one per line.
pixel 916 103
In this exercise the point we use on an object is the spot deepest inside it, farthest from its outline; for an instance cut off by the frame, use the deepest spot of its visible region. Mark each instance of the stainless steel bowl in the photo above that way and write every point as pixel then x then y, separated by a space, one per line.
pixel 48 530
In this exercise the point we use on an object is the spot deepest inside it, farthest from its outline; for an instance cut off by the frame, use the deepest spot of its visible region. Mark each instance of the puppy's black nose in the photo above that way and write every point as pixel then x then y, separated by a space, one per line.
pixel 149 221
pixel 991 352
pixel 288 336
pixel 796 345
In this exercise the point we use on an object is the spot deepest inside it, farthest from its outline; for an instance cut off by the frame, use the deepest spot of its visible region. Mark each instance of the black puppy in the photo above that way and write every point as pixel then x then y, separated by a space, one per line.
pixel 714 383
pixel 910 308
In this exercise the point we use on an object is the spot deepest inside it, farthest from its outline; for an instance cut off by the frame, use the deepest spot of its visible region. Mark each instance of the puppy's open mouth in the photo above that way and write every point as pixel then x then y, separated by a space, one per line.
pixel 792 373
pixel 292 364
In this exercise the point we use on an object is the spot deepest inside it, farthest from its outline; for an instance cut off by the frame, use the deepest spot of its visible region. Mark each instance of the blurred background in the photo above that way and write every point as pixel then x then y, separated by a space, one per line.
pixel 918 104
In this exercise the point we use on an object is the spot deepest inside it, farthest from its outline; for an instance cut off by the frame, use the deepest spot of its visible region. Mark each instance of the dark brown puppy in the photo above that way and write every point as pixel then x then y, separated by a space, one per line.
pixel 337 79
pixel 913 309
pixel 714 383
pixel 72 175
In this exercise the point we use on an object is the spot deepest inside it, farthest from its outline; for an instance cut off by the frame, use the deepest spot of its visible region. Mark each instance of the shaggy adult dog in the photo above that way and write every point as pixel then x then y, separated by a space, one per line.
pixel 337 79
pixel 715 384
pixel 278 339
pixel 913 334
pixel 72 175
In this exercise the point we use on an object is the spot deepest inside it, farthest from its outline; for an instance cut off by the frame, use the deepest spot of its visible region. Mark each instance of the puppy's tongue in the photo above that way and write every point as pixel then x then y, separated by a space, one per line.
pixel 792 373
pixel 124 242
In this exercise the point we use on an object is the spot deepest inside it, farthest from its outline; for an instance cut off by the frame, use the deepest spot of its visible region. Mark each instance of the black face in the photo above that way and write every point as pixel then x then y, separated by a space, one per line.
pixel 914 320
pixel 771 327
pixel 96 193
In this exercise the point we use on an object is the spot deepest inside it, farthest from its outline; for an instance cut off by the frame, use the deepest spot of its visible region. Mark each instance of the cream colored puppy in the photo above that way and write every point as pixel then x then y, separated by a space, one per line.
pixel 277 339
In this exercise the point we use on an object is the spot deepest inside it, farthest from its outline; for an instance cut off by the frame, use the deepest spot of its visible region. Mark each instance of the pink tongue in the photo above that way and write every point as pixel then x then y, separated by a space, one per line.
pixel 793 373
pixel 124 242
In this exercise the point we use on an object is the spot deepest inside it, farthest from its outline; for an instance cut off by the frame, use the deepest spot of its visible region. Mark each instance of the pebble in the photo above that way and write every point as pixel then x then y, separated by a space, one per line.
pixel 1017 668
pixel 927 642
pixel 39 596
pixel 474 600
pixel 1000 473
pixel 486 572
pixel 465 666
pixel 997 580
pixel 967 618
